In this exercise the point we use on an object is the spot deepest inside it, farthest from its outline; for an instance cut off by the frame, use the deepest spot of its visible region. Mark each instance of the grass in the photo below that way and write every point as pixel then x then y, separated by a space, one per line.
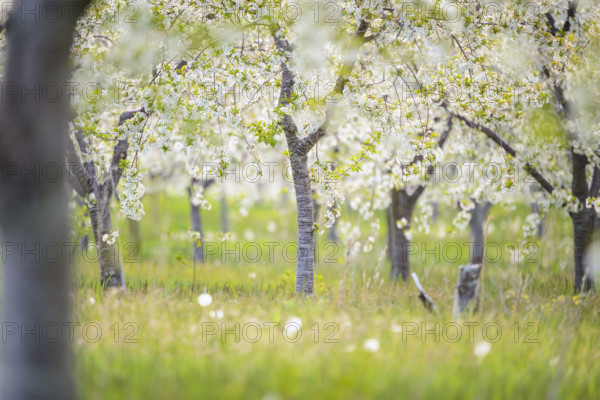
pixel 157 342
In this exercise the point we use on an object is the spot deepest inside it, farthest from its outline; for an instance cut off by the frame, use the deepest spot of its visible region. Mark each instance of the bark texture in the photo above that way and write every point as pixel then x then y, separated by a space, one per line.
pixel 109 258
pixel 33 204
pixel 466 287
pixel 402 206
pixel 583 223
pixel 306 238
pixel 476 224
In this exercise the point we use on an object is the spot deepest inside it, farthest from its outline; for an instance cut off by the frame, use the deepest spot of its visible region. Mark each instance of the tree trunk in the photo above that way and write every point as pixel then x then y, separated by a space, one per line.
pixel 478 215
pixel 390 237
pixel 197 227
pixel 540 228
pixel 435 211
pixel 466 287
pixel 402 206
pixel 109 259
pixel 224 219
pixel 583 231
pixel 583 224
pixel 316 206
pixel 305 258
pixel 33 205
pixel 332 235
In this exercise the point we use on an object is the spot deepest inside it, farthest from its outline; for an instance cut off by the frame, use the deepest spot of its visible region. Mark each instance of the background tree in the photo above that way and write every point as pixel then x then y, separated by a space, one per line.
pixel 558 49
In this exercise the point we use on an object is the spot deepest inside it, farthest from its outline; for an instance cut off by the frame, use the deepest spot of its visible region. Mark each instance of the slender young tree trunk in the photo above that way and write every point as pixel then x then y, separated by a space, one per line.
pixel 402 206
pixel 540 228
pixel 478 215
pixel 33 209
pixel 390 237
pixel 196 214
pixel 306 241
pixel 299 148
pixel 109 259
pixel 196 227
pixel 224 219
pixel 332 235
pixel 316 206
pixel 434 214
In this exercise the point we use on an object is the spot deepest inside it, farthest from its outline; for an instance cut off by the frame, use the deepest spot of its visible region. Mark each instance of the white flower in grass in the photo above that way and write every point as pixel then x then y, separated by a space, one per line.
pixel 216 314
pixel 92 301
pixel 371 345
pixel 292 326
pixel 205 299
pixel 252 275
pixel 482 348
pixel 396 328
pixel 249 235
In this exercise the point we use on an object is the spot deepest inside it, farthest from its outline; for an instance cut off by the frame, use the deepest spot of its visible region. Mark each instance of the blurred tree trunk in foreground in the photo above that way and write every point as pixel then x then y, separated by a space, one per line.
pixel 36 363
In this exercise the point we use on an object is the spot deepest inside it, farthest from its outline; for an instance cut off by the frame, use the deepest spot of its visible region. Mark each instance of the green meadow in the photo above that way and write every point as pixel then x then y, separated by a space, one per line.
pixel 358 336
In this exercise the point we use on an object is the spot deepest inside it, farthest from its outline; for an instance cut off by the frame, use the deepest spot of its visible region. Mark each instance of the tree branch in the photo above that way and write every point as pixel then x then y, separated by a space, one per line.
pixel 551 24
pixel 570 15
pixel 287 89
pixel 306 144
pixel 430 168
pixel 79 179
pixel 119 154
pixel 530 169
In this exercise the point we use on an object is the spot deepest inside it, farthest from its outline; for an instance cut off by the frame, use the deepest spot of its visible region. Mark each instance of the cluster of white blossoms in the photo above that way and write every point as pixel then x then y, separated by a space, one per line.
pixel 532 223
pixel 461 220
pixel 593 202
pixel 110 238
pixel 131 195
pixel 499 67
pixel 195 235
pixel 198 199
